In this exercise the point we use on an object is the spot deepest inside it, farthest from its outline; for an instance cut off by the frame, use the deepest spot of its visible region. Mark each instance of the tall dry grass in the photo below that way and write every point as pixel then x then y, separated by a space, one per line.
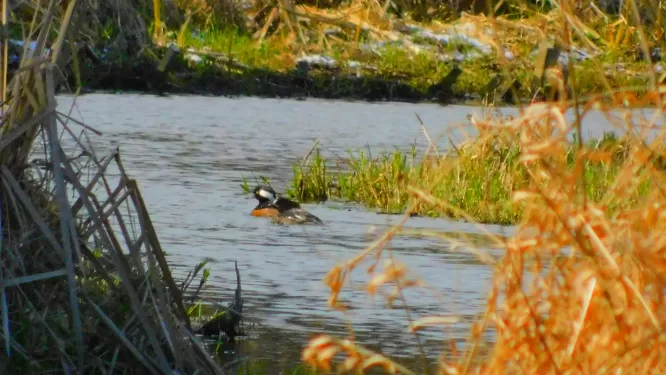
pixel 579 288
pixel 294 22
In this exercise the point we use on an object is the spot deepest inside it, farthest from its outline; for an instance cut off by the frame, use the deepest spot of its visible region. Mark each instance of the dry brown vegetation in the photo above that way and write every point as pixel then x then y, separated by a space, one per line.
pixel 580 287
pixel 578 290
pixel 451 54
pixel 301 24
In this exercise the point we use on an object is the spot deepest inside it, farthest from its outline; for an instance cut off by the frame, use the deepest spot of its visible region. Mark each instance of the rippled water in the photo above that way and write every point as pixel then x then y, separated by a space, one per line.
pixel 189 155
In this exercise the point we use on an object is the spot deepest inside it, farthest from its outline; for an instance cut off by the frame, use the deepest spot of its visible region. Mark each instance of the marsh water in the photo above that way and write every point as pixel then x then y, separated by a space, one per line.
pixel 190 155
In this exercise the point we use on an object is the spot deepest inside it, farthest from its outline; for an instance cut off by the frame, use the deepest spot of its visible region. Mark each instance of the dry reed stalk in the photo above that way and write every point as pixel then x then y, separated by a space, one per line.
pixel 585 309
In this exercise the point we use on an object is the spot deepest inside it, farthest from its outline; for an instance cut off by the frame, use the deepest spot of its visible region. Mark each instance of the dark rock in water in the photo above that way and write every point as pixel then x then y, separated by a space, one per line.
pixel 443 89
pixel 225 323
pixel 228 320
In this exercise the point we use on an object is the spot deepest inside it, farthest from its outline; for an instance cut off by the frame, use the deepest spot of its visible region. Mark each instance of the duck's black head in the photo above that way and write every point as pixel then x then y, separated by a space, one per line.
pixel 264 193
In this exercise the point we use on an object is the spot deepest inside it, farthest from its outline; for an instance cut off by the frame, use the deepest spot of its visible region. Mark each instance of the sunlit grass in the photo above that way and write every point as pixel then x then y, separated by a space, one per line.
pixel 613 58
pixel 238 46
pixel 477 178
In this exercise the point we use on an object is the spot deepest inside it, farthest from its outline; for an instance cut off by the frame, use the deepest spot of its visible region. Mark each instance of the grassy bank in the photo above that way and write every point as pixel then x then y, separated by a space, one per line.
pixel 356 50
pixel 241 66
pixel 475 180
pixel 395 72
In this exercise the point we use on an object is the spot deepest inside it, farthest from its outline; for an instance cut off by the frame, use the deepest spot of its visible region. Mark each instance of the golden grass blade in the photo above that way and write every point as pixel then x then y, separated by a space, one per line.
pixel 64 25
pixel 40 45
pixel 321 350
pixel 420 194
pixel 8 139
pixel 587 297
pixel 36 102
pixel 457 245
pixel 432 320
pixel 157 19
pixel 431 145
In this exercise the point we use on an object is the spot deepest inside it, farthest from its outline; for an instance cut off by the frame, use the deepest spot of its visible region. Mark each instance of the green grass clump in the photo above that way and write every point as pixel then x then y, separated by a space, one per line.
pixel 484 77
pixel 477 178
pixel 238 46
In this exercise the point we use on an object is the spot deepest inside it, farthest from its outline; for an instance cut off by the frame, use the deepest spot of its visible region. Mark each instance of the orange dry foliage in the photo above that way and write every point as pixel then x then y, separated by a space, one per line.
pixel 321 350
pixel 579 290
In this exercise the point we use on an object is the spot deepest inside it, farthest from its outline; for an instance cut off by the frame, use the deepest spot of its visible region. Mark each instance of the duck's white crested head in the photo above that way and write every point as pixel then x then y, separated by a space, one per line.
pixel 266 194
pixel 262 192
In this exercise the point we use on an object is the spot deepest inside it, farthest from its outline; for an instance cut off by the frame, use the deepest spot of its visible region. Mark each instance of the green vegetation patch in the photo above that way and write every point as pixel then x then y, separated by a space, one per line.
pixel 366 70
pixel 476 178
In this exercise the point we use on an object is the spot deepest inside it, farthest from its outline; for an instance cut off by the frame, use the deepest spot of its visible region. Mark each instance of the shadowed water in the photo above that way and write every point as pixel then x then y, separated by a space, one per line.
pixel 189 155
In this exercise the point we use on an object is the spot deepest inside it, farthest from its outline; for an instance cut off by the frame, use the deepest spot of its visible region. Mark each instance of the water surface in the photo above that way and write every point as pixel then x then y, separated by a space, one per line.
pixel 189 155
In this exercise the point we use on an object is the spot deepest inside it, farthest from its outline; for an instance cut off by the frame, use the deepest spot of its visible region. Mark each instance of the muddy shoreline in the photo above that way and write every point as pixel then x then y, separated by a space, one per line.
pixel 475 79
pixel 144 77
pixel 229 78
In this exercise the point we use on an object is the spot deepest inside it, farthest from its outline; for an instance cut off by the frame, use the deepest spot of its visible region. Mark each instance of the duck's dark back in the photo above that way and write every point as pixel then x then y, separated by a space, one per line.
pixel 284 204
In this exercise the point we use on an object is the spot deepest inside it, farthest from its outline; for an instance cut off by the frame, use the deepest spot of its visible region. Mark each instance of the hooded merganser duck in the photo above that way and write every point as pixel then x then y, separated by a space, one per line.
pixel 265 195
pixel 283 210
